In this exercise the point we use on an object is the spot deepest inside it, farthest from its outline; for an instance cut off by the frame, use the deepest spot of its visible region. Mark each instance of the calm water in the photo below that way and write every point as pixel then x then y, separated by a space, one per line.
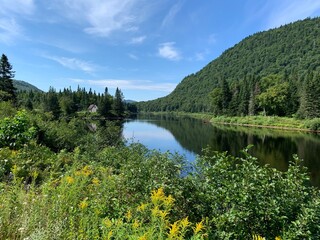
pixel 189 136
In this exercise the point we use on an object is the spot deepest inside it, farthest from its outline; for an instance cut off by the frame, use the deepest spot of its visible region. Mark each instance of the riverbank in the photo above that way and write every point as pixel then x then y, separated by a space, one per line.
pixel 285 123
pixel 274 122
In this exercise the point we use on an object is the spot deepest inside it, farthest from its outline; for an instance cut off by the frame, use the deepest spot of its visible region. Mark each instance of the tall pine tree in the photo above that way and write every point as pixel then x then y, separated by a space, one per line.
pixel 7 90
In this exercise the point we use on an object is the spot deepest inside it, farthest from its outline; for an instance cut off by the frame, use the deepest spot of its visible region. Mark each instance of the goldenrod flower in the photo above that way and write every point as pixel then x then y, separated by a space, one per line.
pixel 155 211
pixel 185 223
pixel 199 227
pixel 163 214
pixel 168 201
pixel 129 215
pixel 157 196
pixel 174 230
pixel 83 204
pixel 135 224
pixel 258 237
pixel 95 181
pixel 107 222
pixel 110 233
pixel 144 237
pixel 142 207
pixel 69 180
pixel 86 171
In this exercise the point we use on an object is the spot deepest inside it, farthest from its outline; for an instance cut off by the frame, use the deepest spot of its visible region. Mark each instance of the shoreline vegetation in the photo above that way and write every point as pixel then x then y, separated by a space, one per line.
pixel 58 178
pixel 272 122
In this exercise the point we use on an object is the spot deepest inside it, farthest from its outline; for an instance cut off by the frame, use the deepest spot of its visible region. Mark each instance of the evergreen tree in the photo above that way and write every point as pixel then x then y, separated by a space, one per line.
pixel 52 103
pixel 7 90
pixel 310 98
pixel 118 104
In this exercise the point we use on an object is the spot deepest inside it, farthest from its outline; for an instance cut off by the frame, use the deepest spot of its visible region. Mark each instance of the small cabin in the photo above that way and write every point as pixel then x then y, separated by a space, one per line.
pixel 93 108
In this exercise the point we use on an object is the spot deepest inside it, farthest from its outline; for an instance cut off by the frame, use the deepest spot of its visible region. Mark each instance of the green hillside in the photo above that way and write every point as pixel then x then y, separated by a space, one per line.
pixel 288 53
pixel 24 86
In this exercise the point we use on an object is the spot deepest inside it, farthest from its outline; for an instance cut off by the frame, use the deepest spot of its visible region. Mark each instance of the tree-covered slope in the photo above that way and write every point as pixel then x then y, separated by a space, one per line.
pixel 290 49
pixel 24 86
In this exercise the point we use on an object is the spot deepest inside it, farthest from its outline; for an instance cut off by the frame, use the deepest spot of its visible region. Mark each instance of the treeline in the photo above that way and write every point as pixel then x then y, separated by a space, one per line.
pixel 291 52
pixel 67 102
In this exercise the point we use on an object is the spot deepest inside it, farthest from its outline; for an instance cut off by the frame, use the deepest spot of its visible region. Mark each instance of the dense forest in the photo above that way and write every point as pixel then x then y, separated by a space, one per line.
pixel 275 72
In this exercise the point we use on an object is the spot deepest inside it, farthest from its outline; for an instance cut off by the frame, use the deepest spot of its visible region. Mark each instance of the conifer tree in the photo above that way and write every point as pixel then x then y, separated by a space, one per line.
pixel 7 90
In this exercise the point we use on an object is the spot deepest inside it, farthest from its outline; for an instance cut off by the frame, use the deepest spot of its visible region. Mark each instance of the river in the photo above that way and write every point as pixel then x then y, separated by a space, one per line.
pixel 188 136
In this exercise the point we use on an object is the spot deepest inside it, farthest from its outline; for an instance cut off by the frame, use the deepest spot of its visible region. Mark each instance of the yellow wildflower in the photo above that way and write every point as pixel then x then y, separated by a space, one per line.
pixel 168 201
pixel 110 233
pixel 129 215
pixel 185 223
pixel 278 238
pixel 155 211
pixel 95 181
pixel 69 180
pixel 107 222
pixel 83 204
pixel 86 171
pixel 144 237
pixel 136 224
pixel 157 196
pixel 142 207
pixel 119 222
pixel 199 227
pixel 174 230
pixel 257 237
pixel 163 214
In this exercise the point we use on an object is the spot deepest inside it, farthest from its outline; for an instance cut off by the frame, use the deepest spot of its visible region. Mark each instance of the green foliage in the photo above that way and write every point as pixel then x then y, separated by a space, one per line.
pixel 289 51
pixel 16 131
pixel 242 198
pixel 7 90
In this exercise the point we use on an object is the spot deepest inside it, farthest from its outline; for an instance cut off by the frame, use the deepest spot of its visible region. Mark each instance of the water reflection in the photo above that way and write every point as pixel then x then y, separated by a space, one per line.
pixel 189 136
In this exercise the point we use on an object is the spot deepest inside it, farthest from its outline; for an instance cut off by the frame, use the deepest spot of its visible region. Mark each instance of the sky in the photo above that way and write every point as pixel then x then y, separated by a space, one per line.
pixel 143 47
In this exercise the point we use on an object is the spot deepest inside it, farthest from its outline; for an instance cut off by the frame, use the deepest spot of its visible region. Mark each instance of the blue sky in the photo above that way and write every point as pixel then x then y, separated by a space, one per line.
pixel 144 47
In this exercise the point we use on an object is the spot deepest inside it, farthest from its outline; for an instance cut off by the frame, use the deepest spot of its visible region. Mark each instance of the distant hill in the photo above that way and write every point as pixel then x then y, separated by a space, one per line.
pixel 290 49
pixel 24 86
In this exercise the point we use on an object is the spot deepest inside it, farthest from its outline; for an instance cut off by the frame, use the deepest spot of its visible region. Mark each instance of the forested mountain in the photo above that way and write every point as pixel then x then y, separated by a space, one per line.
pixel 24 86
pixel 264 72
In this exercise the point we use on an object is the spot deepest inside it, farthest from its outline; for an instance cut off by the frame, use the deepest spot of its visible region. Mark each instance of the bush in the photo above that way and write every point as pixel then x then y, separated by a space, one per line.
pixel 16 131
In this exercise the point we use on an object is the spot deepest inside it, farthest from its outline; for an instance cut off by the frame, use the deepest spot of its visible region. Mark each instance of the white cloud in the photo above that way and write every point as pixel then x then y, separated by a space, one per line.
pixel 138 40
pixel 168 51
pixel 133 56
pixel 74 64
pixel 102 18
pixel 174 10
pixel 287 11
pixel 9 30
pixel 10 12
pixel 24 7
pixel 130 84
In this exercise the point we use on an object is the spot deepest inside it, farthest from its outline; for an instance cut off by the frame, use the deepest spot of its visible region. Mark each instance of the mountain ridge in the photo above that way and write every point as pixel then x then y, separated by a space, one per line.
pixel 294 47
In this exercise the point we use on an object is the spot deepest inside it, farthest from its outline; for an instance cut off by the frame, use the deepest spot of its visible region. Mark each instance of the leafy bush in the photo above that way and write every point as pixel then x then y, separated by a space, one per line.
pixel 242 198
pixel 16 131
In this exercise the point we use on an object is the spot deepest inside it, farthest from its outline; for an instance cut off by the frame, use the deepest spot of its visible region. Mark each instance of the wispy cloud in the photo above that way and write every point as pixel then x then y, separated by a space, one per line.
pixel 174 10
pixel 21 7
pixel 74 63
pixel 287 11
pixel 133 56
pixel 10 12
pixel 138 40
pixel 130 84
pixel 168 51
pixel 9 30
pixel 102 18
